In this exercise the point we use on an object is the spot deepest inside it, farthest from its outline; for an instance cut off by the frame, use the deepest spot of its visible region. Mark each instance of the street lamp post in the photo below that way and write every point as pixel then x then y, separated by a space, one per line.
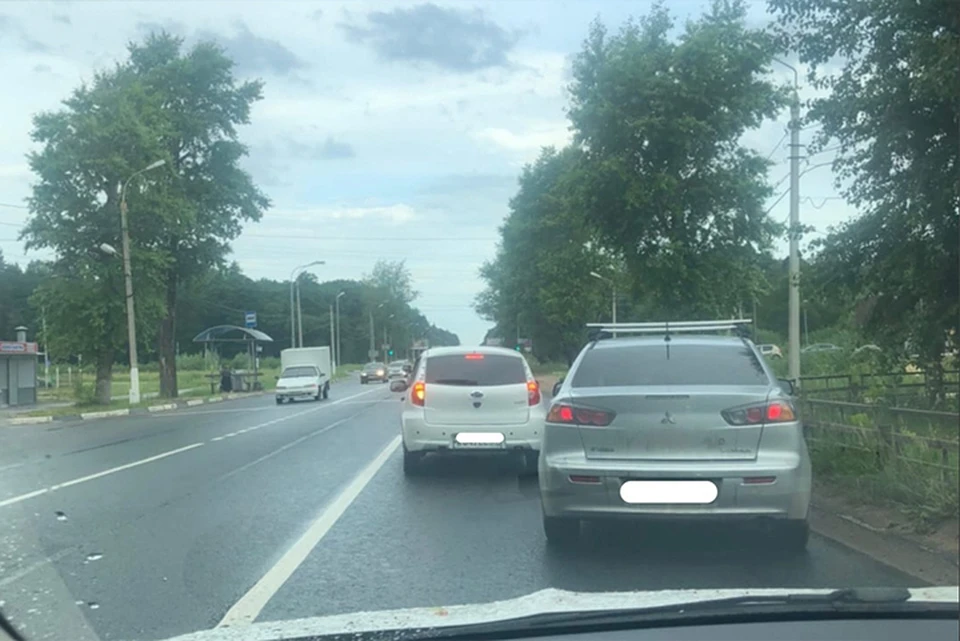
pixel 373 349
pixel 338 357
pixel 295 306
pixel 134 395
pixel 613 303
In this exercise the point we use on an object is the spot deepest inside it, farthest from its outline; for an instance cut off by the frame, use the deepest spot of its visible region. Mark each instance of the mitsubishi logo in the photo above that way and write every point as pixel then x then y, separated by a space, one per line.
pixel 476 394
pixel 667 419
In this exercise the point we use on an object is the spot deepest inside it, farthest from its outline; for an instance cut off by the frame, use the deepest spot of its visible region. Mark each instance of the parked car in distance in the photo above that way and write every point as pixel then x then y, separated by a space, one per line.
pixel 373 372
pixel 770 350
pixel 821 347
pixel 396 369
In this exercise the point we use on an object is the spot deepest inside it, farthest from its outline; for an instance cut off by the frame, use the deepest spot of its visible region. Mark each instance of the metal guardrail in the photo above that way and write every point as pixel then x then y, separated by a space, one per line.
pixel 892 435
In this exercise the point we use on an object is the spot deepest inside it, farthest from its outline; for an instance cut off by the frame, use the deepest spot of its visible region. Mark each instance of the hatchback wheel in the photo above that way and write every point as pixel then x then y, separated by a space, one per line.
pixel 411 462
pixel 561 531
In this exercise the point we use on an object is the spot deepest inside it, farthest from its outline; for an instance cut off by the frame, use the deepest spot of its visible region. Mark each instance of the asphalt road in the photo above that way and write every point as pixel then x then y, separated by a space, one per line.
pixel 151 526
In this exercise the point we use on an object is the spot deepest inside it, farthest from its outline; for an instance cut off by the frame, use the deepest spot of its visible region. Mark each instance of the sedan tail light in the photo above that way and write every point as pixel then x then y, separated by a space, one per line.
pixel 533 393
pixel 418 393
pixel 760 414
pixel 584 417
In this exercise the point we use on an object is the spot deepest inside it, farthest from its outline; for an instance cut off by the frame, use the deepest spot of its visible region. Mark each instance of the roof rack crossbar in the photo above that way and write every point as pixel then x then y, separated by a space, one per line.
pixel 606 330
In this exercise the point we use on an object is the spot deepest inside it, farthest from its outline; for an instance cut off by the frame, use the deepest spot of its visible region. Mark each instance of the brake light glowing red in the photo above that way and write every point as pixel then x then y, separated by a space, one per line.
pixel 579 416
pixel 774 412
pixel 473 357
pixel 533 393
pixel 418 393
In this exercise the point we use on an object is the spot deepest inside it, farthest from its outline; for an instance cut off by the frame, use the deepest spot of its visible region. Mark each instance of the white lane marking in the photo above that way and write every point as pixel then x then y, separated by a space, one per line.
pixel 120 468
pixel 244 611
pixel 286 447
pixel 91 477
pixel 36 565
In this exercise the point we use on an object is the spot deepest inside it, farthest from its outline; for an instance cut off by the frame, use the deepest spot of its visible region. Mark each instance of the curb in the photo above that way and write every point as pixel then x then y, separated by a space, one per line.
pixel 151 409
pixel 929 566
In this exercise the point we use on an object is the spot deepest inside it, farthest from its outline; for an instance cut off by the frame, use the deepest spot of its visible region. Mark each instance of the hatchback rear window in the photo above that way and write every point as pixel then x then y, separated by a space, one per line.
pixel 475 369
pixel 687 365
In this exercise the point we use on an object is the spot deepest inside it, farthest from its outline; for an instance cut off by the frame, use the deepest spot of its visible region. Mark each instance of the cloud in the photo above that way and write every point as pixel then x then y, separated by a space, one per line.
pixel 452 39
pixel 395 214
pixel 329 149
pixel 62 19
pixel 42 69
pixel 251 54
pixel 530 140
pixel 10 26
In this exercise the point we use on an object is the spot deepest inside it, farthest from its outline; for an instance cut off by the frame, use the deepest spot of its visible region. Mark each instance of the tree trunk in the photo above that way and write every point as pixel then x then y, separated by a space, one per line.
pixel 168 342
pixel 103 385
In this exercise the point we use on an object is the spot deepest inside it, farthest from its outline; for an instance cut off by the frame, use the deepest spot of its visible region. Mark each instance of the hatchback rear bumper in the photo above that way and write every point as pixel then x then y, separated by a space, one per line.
pixel 787 496
pixel 419 436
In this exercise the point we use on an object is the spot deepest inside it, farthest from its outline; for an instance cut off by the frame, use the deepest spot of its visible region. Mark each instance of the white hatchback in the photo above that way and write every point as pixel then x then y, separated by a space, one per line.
pixel 464 400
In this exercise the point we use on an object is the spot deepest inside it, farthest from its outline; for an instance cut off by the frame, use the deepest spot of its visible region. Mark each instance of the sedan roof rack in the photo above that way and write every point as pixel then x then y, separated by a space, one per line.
pixel 601 331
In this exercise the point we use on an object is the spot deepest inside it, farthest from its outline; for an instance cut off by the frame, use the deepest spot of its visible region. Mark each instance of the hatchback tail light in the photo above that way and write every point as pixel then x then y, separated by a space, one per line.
pixel 418 393
pixel 533 393
pixel 760 414
pixel 582 416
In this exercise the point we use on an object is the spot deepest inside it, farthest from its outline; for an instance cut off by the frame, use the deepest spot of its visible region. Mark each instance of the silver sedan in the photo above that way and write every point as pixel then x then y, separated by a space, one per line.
pixel 676 427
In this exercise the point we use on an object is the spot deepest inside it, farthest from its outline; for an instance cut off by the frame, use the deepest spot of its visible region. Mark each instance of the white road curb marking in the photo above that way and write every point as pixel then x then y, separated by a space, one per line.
pixel 196 401
pixel 162 408
pixel 30 420
pixel 252 603
pixel 89 415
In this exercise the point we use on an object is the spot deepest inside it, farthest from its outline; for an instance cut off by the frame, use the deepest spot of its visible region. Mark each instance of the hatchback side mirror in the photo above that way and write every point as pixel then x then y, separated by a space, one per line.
pixel 398 385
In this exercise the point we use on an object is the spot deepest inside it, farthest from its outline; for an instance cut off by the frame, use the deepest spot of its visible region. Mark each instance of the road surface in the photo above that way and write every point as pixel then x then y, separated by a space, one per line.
pixel 151 526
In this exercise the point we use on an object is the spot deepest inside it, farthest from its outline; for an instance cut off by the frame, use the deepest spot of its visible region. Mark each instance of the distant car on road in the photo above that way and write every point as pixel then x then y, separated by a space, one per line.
pixel 301 382
pixel 469 400
pixel 695 428
pixel 397 369
pixel 821 347
pixel 770 350
pixel 373 372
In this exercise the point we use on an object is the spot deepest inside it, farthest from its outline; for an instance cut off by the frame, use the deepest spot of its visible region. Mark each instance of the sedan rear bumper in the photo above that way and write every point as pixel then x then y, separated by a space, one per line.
pixel 751 492
pixel 419 436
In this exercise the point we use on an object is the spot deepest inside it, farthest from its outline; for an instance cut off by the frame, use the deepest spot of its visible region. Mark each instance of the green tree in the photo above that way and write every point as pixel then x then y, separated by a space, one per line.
pixel 207 195
pixel 666 179
pixel 105 131
pixel 539 284
pixel 890 101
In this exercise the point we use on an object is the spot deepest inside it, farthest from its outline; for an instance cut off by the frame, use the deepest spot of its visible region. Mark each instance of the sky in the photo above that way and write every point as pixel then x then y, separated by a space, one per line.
pixel 387 129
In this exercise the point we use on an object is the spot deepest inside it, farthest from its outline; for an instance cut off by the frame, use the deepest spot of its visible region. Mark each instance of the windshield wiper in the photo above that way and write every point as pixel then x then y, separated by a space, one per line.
pixel 847 600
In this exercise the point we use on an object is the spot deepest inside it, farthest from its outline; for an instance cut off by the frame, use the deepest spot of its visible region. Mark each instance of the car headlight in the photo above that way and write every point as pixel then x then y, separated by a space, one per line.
pixel 379 372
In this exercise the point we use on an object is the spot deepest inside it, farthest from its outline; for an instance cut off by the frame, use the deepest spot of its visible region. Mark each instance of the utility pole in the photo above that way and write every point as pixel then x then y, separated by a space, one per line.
pixel 794 276
pixel 46 349
pixel 299 318
pixel 338 356
pixel 332 340
pixel 372 340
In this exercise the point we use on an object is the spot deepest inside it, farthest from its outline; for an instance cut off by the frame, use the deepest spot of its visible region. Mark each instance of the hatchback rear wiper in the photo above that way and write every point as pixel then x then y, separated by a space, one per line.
pixel 455 381
pixel 869 601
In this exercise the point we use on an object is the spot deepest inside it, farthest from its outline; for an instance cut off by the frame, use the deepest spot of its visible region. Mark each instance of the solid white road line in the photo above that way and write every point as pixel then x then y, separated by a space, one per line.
pixel 252 603
pixel 163 455
pixel 90 477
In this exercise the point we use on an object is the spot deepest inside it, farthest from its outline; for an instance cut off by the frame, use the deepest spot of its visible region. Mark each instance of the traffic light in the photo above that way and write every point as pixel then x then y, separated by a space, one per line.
pixel 518 347
pixel 390 352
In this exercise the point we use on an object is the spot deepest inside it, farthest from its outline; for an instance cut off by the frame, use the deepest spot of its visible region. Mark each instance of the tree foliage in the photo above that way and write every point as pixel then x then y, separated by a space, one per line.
pixel 890 101
pixel 666 178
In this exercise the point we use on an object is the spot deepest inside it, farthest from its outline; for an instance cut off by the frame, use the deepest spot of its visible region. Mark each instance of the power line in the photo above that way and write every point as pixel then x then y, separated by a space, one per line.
pixel 13 206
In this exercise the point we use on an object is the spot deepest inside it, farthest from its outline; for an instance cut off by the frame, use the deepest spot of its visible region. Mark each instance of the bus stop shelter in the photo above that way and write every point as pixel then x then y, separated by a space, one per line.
pixel 18 371
pixel 213 337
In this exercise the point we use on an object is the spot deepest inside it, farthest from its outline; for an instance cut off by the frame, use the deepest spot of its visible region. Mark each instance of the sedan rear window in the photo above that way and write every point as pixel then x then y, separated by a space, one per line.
pixel 687 365
pixel 475 369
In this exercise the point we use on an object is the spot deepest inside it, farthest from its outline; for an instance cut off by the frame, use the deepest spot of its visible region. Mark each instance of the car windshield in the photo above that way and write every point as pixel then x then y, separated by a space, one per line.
pixel 293 372
pixel 475 370
pixel 323 315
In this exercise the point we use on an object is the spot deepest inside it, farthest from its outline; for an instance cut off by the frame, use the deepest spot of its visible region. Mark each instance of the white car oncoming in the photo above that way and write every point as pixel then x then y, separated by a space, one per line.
pixel 464 400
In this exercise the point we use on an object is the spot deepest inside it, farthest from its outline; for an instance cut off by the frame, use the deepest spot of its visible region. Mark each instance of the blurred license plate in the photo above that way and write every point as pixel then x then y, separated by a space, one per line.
pixel 669 492
pixel 478 440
